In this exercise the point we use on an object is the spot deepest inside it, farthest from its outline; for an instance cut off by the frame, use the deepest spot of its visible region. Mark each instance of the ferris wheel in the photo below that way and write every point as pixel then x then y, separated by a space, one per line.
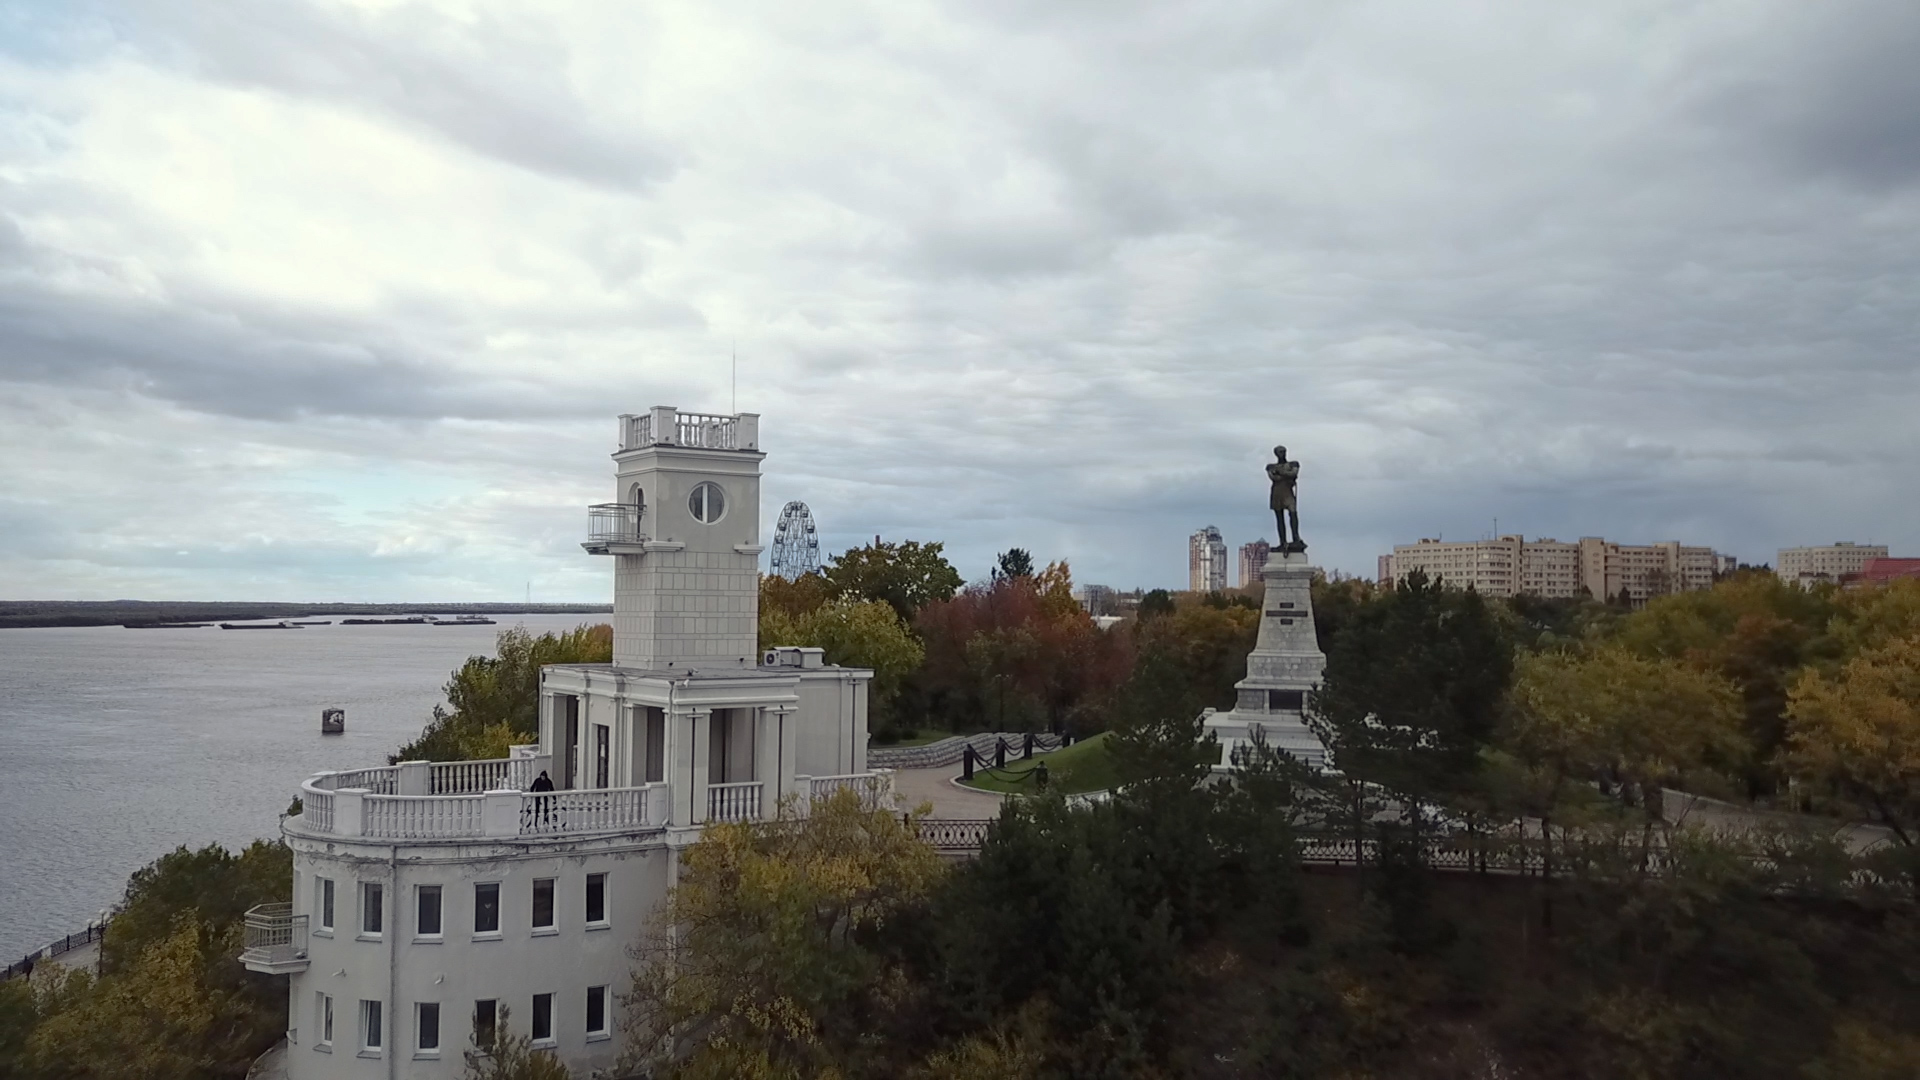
pixel 796 542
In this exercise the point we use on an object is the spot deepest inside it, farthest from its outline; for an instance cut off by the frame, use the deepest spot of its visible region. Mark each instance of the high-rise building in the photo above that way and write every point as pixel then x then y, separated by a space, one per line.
pixel 1206 561
pixel 1253 557
pixel 1829 563
pixel 1513 566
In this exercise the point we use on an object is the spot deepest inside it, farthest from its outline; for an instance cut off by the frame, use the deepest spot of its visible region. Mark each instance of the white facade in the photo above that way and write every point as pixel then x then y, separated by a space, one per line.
pixel 1827 563
pixel 428 897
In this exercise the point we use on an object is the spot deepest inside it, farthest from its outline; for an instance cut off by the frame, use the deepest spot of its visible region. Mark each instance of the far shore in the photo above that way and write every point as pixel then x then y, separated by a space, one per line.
pixel 23 614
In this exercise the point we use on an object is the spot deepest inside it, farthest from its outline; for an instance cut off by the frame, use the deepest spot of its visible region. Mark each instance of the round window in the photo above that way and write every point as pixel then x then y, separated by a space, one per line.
pixel 707 502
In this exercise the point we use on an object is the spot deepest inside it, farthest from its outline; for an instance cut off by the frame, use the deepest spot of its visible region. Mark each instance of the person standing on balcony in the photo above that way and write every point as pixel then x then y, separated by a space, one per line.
pixel 545 802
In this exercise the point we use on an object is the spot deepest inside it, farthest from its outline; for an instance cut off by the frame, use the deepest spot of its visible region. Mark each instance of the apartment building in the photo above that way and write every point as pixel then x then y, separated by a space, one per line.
pixel 1253 558
pixel 1206 561
pixel 1512 566
pixel 1827 563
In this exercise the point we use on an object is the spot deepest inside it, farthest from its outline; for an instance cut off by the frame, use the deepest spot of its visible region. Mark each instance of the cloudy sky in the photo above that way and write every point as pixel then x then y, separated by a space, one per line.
pixel 326 300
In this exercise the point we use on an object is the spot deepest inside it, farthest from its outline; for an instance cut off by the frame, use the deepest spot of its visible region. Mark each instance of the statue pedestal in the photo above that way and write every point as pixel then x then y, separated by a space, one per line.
pixel 1285 665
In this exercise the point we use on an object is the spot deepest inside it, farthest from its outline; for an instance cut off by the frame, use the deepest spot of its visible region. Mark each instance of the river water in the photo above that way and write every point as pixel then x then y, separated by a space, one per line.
pixel 118 745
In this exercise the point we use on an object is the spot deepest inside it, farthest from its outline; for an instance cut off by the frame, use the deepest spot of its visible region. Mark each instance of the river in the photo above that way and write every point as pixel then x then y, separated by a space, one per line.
pixel 118 745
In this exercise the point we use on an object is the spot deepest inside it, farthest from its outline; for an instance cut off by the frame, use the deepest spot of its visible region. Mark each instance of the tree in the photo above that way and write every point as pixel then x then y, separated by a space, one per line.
pixel 1621 720
pixel 496 700
pixel 762 959
pixel 1413 689
pixel 793 597
pixel 907 576
pixel 866 634
pixel 1859 734
pixel 1752 628
pixel 1013 563
pixel 510 1055
pixel 1016 653
pixel 1157 602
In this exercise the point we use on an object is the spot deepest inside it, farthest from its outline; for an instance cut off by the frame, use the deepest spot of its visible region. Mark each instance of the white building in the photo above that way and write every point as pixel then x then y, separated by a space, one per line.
pixel 1514 566
pixel 1828 563
pixel 1206 561
pixel 428 898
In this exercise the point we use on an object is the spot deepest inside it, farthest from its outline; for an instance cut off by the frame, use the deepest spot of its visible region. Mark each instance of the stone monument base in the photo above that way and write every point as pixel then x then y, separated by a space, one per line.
pixel 1282 671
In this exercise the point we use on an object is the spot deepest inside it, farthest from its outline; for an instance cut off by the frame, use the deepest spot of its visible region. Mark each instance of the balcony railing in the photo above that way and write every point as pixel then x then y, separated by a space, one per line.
pixel 734 802
pixel 454 800
pixel 275 940
pixel 666 426
pixel 875 788
pixel 615 523
pixel 593 810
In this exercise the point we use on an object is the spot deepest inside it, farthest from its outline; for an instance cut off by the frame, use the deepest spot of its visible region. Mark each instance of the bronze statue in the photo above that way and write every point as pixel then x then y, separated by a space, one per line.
pixel 1285 476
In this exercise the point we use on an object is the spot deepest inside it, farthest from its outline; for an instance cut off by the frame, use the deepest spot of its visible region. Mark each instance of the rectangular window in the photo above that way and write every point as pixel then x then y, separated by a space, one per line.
pixel 426 1026
pixel 543 903
pixel 596 1010
pixel 542 1017
pixel 596 899
pixel 427 916
pixel 486 907
pixel 325 902
pixel 602 754
pixel 325 1020
pixel 370 1016
pixel 656 741
pixel 372 900
pixel 486 1018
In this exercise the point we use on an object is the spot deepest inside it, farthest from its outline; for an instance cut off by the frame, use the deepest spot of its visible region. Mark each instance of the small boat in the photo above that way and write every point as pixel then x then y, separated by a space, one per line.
pixel 259 626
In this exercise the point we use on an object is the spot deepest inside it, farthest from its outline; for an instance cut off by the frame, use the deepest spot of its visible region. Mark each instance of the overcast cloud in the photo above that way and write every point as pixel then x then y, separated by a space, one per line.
pixel 316 300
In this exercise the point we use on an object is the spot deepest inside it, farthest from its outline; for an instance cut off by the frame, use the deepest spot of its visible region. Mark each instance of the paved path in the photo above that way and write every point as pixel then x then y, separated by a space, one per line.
pixel 916 786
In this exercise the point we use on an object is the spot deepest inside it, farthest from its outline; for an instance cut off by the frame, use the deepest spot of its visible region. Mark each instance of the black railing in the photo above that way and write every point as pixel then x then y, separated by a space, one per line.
pixel 615 523
pixel 24 965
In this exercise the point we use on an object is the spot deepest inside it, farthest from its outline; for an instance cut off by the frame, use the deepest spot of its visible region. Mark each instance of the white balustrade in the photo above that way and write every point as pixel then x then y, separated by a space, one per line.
pixel 316 809
pixel 471 777
pixel 591 810
pixel 874 788
pixel 421 817
pixel 734 802
pixel 380 781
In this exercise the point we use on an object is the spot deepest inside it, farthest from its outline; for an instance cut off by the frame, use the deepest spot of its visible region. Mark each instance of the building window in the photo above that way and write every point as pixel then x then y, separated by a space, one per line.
pixel 596 1011
pixel 323 1005
pixel 426 1026
pixel 543 904
pixel 324 901
pixel 602 755
pixel 707 502
pixel 370 1015
pixel 427 917
pixel 486 1020
pixel 372 898
pixel 543 1018
pixel 486 907
pixel 656 742
pixel 596 899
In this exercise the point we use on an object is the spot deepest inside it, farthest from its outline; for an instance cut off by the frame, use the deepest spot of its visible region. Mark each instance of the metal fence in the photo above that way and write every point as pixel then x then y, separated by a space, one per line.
pixel 24 965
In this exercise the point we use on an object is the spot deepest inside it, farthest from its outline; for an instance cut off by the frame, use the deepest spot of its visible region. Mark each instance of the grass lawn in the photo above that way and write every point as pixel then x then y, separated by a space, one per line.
pixel 1084 766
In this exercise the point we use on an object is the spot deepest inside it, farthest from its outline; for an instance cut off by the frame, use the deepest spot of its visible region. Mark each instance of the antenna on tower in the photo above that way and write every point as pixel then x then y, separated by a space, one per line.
pixel 736 376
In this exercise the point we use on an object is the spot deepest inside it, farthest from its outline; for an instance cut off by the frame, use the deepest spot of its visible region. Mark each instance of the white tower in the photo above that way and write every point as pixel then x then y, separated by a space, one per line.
pixel 685 536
